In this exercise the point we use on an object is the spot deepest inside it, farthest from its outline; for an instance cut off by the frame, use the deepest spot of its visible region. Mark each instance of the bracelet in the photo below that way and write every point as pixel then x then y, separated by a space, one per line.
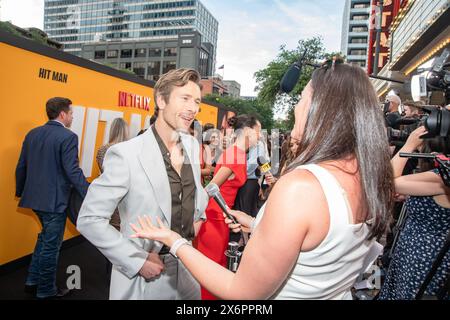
pixel 176 245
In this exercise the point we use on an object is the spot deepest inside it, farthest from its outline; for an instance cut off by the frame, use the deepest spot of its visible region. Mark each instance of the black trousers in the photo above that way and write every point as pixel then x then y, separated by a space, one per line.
pixel 246 201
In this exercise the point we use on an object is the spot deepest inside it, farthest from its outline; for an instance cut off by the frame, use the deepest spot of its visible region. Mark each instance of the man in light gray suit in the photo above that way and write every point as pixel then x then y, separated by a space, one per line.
pixel 155 174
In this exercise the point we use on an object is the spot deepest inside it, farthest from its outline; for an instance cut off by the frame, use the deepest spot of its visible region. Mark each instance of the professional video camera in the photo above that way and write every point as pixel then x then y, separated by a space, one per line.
pixel 435 119
pixel 408 124
pixel 433 76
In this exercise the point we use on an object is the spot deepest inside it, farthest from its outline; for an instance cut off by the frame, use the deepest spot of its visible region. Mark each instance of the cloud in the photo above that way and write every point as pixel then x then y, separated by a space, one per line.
pixel 246 45
pixel 315 20
pixel 250 36
pixel 23 13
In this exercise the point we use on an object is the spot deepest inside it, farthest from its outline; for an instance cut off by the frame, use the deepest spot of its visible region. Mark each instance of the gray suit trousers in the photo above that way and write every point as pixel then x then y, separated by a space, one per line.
pixel 174 283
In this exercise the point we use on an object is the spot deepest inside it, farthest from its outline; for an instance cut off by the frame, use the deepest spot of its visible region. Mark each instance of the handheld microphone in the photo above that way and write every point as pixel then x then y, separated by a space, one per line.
pixel 213 192
pixel 264 165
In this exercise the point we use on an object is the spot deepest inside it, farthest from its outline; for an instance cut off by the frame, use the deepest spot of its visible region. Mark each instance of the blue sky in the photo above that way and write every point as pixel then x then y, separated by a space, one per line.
pixel 250 31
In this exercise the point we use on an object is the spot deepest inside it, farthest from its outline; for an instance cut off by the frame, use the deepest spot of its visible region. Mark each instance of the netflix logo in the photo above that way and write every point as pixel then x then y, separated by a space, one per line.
pixel 131 100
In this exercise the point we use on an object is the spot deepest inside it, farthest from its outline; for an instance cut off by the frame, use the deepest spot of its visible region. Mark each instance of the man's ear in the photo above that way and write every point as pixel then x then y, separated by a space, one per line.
pixel 160 102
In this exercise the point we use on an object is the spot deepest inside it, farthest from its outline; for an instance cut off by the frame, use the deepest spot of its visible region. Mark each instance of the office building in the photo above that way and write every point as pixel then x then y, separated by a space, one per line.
pixel 355 31
pixel 151 58
pixel 78 22
pixel 234 88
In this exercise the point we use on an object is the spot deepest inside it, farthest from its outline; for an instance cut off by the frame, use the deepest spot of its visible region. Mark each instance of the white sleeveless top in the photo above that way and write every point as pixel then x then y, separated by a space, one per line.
pixel 330 270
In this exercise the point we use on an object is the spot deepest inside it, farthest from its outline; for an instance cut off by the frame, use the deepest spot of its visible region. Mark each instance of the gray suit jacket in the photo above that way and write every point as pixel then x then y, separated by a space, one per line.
pixel 135 181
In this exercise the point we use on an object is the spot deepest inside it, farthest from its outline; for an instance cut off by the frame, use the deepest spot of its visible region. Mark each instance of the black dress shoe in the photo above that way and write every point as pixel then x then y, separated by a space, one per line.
pixel 60 293
pixel 30 289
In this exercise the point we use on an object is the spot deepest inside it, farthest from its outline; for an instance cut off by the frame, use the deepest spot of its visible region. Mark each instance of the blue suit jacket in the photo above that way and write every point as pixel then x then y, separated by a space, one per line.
pixel 48 167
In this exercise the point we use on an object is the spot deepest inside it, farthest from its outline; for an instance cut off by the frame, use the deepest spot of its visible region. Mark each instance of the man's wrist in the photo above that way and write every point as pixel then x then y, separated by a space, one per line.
pixel 142 265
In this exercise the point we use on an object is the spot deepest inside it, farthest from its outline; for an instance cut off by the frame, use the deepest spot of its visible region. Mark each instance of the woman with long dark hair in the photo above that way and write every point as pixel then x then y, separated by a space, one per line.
pixel 230 175
pixel 313 237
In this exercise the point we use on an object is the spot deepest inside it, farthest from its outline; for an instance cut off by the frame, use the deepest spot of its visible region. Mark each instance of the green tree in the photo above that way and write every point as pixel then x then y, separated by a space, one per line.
pixel 9 27
pixel 282 124
pixel 268 79
pixel 261 109
pixel 29 33
pixel 36 36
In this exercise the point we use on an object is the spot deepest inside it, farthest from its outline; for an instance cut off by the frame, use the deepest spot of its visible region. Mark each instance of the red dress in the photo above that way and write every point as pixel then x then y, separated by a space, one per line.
pixel 212 239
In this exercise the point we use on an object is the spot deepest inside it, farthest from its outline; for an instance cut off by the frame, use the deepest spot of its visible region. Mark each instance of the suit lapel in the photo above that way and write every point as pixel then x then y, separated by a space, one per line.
pixel 153 164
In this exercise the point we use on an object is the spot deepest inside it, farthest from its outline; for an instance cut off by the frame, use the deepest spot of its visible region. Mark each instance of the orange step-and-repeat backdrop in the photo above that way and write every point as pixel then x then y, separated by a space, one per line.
pixel 28 79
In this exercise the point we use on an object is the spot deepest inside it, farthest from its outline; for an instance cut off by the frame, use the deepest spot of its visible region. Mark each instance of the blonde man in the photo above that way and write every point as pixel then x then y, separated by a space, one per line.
pixel 155 174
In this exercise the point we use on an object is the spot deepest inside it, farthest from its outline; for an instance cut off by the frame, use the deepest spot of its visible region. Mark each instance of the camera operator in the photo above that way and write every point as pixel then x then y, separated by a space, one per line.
pixel 391 110
pixel 426 225
pixel 409 120
pixel 411 109
pixel 412 118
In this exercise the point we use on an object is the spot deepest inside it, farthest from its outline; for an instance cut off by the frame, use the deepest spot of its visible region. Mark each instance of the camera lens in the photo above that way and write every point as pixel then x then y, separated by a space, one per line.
pixel 432 123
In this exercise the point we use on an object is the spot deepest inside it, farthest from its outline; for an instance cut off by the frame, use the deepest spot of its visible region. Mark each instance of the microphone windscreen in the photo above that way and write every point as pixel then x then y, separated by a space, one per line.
pixel 290 78
pixel 212 189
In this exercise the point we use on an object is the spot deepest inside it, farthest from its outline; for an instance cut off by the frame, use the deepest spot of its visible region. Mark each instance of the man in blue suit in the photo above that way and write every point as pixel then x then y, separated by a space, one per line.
pixel 46 171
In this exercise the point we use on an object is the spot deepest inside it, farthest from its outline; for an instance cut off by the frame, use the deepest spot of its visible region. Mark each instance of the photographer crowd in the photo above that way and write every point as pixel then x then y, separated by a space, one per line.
pixel 307 227
pixel 422 232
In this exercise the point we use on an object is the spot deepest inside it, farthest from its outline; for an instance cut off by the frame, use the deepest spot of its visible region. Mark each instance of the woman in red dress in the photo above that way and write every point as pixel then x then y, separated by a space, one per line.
pixel 230 174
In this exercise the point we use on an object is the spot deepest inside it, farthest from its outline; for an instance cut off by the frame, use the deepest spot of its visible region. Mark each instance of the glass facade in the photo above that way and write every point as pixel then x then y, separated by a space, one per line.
pixel 77 22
